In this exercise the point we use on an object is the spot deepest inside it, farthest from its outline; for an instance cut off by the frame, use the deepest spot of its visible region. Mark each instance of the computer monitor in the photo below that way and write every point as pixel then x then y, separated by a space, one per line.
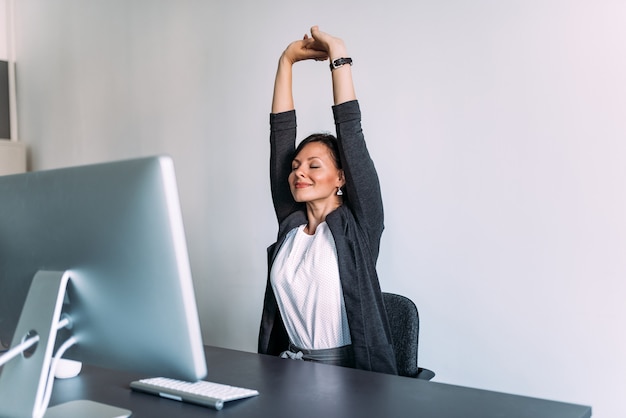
pixel 114 232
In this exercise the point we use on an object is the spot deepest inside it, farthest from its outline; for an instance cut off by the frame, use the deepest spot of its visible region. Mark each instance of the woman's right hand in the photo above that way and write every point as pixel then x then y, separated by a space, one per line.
pixel 303 49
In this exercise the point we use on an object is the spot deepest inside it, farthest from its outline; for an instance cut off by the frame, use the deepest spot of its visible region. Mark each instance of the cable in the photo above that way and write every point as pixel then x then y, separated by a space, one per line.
pixel 9 355
pixel 18 349
pixel 53 366
pixel 65 321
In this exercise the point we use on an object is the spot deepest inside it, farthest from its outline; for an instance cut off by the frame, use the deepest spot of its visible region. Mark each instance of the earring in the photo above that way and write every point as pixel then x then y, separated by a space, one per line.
pixel 339 191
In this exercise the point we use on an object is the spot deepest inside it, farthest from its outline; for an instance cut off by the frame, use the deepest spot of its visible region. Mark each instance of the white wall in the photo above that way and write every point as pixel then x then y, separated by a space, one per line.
pixel 498 130
pixel 4 43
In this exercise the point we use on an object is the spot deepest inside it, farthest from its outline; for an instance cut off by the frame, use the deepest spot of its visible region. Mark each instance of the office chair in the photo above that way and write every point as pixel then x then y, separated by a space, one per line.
pixel 405 324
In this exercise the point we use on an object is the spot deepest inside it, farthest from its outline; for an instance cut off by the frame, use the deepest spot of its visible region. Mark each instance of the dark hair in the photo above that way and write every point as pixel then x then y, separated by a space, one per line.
pixel 327 139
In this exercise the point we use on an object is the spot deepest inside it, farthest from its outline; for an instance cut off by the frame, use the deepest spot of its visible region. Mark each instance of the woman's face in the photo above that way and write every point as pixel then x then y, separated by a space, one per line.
pixel 314 176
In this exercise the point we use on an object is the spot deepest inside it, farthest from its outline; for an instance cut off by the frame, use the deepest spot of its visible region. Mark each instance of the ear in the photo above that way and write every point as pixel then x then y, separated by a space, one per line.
pixel 341 179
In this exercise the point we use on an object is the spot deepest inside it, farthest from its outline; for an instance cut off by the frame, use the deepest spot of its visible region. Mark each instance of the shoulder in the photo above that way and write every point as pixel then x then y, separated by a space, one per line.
pixel 292 221
pixel 340 220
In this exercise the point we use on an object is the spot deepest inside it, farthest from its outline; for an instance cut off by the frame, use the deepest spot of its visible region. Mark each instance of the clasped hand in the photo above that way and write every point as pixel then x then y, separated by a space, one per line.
pixel 319 46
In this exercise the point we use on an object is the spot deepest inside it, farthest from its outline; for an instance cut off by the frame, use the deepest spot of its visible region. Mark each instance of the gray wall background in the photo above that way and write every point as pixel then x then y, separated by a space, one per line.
pixel 498 130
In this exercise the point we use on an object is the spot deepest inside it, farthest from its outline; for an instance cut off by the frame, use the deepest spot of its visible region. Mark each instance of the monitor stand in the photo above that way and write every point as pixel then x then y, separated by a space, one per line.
pixel 86 409
pixel 26 381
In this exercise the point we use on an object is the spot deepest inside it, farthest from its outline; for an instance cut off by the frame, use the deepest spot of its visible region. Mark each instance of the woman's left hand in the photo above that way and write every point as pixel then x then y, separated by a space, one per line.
pixel 334 47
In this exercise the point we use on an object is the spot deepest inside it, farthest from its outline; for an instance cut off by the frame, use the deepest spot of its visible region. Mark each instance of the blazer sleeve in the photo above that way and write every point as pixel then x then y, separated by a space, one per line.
pixel 282 147
pixel 363 193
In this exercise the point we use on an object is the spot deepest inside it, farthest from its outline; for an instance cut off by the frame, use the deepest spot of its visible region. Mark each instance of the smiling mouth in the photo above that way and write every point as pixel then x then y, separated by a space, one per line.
pixel 301 185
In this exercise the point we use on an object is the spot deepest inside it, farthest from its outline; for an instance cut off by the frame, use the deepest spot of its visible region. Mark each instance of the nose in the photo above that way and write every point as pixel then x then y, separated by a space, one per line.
pixel 299 172
pixel 296 175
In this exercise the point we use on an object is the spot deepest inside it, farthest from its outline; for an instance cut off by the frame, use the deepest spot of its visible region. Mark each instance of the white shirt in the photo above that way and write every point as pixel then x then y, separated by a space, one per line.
pixel 305 280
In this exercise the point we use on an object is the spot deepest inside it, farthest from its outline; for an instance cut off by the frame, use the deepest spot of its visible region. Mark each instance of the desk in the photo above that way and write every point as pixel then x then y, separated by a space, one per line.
pixel 290 388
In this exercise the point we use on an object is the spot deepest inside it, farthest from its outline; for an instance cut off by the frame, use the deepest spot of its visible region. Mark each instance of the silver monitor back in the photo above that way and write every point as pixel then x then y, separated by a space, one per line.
pixel 117 227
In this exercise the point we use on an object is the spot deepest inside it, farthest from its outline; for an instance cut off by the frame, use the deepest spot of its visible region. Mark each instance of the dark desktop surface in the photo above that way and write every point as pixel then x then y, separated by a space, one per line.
pixel 300 389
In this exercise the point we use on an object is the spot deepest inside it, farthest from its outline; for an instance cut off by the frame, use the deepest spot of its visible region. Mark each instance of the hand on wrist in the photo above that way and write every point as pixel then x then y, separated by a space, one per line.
pixel 338 50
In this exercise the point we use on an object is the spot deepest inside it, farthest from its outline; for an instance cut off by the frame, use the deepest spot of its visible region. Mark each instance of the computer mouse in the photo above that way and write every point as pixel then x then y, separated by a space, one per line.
pixel 67 368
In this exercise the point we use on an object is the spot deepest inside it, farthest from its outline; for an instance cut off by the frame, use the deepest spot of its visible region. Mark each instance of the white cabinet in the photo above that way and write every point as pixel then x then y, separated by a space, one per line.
pixel 12 157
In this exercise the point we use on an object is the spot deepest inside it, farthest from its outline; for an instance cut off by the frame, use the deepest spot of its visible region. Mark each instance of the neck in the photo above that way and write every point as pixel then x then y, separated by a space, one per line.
pixel 316 213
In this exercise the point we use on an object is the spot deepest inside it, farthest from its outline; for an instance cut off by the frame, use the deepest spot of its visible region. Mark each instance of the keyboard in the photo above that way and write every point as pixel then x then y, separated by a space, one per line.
pixel 203 393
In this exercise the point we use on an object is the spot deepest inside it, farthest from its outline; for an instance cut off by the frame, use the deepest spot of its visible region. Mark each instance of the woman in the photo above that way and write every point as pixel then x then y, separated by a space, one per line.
pixel 323 300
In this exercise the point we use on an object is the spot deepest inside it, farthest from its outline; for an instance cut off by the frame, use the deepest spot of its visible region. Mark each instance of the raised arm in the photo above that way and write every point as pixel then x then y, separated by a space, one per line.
pixel 300 50
pixel 362 184
pixel 283 123
pixel 343 87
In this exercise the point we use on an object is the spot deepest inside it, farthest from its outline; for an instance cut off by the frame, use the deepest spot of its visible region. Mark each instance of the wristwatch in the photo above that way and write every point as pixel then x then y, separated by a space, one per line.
pixel 339 62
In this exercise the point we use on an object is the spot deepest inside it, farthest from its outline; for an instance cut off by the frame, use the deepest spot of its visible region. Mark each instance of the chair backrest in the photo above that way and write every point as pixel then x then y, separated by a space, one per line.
pixel 404 323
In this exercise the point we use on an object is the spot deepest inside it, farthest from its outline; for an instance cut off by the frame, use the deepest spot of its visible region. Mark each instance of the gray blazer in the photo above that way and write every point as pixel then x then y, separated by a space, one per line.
pixel 356 226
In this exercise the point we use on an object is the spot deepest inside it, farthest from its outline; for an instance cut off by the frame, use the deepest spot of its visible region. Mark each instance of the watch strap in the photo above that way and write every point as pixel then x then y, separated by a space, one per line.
pixel 339 62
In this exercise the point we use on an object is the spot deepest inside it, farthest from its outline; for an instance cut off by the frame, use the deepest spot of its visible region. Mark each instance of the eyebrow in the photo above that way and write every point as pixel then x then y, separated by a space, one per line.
pixel 295 160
